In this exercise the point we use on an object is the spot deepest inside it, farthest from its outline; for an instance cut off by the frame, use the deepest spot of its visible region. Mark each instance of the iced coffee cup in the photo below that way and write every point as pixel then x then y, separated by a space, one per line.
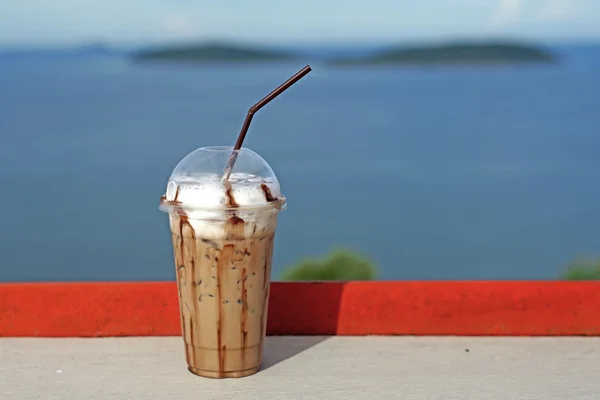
pixel 223 232
pixel 223 204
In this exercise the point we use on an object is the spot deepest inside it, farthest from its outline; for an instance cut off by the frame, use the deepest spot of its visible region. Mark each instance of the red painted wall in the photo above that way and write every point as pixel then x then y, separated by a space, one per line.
pixel 512 308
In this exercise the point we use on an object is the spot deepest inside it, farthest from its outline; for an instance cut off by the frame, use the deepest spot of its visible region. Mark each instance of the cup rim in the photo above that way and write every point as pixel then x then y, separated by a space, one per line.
pixel 178 208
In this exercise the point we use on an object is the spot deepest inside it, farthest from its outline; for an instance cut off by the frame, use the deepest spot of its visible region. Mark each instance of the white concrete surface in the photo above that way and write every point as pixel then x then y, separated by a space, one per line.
pixel 308 368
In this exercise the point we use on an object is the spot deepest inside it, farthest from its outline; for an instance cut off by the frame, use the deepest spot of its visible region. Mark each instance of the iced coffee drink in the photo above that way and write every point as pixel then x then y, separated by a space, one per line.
pixel 223 232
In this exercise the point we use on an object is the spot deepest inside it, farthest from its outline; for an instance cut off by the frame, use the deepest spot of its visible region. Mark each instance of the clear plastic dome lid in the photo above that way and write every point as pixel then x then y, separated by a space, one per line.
pixel 196 182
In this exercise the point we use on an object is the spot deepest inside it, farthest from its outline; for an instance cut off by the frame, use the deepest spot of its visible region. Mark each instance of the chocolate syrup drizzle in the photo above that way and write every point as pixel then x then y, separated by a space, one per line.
pixel 237 226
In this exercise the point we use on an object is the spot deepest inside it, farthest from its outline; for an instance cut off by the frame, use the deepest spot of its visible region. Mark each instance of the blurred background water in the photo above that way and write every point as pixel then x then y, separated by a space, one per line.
pixel 488 172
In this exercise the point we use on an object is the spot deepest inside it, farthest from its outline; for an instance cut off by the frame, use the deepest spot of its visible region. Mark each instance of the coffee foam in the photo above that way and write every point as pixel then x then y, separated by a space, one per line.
pixel 204 199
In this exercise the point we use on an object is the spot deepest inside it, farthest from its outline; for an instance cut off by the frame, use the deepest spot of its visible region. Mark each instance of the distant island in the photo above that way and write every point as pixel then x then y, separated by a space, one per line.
pixel 460 53
pixel 453 53
pixel 203 53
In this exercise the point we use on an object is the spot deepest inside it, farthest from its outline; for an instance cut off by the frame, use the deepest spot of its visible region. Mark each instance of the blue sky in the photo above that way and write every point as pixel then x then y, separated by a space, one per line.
pixel 278 21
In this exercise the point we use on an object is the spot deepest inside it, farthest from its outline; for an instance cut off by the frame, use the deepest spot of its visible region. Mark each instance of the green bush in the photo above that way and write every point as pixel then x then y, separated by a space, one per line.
pixel 583 270
pixel 339 265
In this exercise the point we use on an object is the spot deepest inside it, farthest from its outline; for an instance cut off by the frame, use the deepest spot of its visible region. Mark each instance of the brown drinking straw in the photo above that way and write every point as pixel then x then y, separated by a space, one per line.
pixel 240 140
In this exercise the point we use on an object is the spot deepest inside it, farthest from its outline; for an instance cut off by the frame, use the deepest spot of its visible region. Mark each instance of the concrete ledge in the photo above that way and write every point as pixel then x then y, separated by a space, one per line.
pixel 485 308
pixel 318 368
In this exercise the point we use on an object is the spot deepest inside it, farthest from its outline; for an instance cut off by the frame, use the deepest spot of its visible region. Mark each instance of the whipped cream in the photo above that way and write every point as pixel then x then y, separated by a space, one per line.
pixel 208 202
pixel 208 192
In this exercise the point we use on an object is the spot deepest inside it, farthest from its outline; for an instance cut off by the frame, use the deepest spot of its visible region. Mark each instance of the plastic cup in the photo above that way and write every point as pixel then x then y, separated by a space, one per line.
pixel 223 235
